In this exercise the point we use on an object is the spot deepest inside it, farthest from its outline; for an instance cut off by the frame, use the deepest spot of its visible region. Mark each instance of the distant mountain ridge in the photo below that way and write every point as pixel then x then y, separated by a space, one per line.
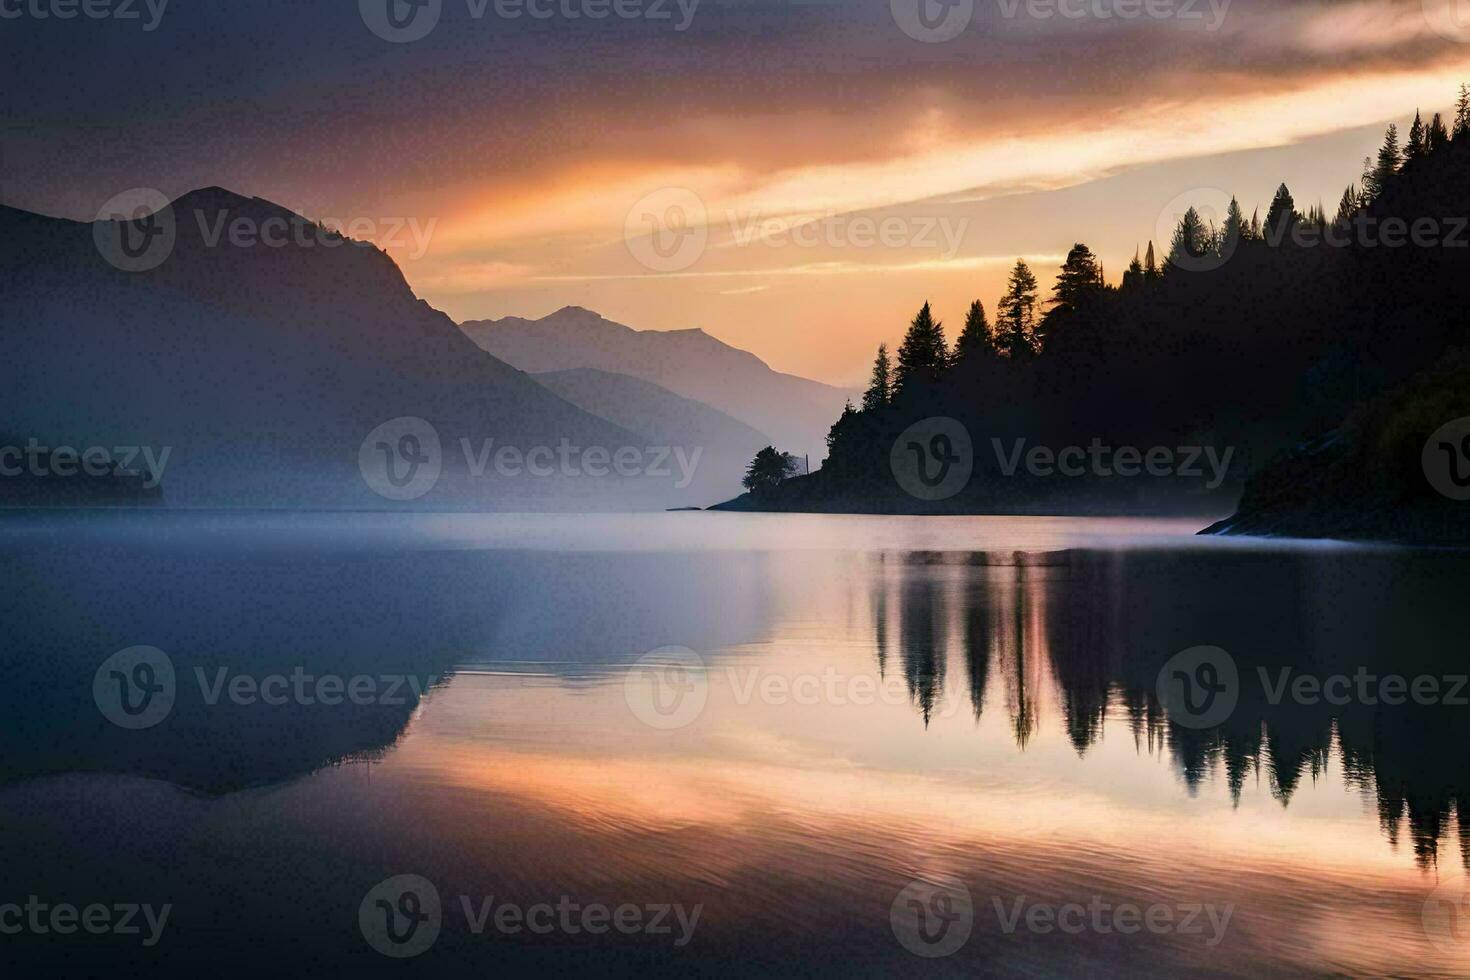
pixel 795 412
pixel 644 407
pixel 726 445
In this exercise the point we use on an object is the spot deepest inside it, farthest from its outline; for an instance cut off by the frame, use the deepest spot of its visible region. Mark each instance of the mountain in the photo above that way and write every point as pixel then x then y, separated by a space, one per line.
pixel 642 406
pixel 795 412
pixel 263 352
pixel 726 445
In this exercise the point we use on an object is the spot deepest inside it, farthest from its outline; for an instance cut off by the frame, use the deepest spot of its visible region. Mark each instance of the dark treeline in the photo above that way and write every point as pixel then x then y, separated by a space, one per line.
pixel 1255 333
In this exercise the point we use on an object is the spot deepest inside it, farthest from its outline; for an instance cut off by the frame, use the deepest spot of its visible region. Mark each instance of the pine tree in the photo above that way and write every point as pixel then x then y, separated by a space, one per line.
pixel 1347 208
pixel 1192 241
pixel 1080 279
pixel 923 356
pixel 838 432
pixel 1234 229
pixel 1418 144
pixel 1462 112
pixel 1255 233
pixel 1369 182
pixel 1281 216
pixel 1080 276
pixel 1439 137
pixel 880 388
pixel 1016 314
pixel 974 338
pixel 1389 160
pixel 1133 275
pixel 1151 270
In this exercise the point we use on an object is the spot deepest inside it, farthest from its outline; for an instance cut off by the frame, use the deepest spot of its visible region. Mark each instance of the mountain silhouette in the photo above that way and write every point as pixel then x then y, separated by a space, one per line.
pixel 795 412
pixel 262 367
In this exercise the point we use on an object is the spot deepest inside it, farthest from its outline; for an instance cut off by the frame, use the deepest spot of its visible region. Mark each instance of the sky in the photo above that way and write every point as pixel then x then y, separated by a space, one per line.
pixel 796 177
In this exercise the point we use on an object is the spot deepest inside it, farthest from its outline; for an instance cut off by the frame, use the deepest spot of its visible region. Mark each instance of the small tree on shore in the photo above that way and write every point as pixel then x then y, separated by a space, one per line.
pixel 768 470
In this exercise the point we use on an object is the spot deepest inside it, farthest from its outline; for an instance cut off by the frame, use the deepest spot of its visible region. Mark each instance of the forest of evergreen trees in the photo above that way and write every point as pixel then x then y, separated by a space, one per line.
pixel 1255 334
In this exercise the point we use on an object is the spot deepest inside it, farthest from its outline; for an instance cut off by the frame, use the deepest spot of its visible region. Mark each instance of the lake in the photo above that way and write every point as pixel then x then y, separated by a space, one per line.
pixel 720 744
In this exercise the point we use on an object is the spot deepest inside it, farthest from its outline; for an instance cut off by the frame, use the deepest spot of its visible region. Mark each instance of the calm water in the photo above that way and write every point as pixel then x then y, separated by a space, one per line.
pixel 859 737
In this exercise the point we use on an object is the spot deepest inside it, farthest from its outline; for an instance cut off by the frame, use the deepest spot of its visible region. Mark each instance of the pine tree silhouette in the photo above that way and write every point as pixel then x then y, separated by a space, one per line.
pixel 1192 241
pixel 1369 182
pixel 1016 314
pixel 1151 270
pixel 975 338
pixel 1233 231
pixel 880 387
pixel 1347 208
pixel 1418 144
pixel 1281 216
pixel 1080 276
pixel 923 356
pixel 1133 275
pixel 1389 160
pixel 1439 137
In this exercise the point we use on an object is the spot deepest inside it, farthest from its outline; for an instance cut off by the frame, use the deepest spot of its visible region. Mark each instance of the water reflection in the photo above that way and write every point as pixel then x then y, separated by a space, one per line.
pixel 1088 632
pixel 297 627
pixel 1025 749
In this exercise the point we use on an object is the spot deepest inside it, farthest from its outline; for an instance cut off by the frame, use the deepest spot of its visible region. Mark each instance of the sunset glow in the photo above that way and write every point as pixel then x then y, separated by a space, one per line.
pixel 768 115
